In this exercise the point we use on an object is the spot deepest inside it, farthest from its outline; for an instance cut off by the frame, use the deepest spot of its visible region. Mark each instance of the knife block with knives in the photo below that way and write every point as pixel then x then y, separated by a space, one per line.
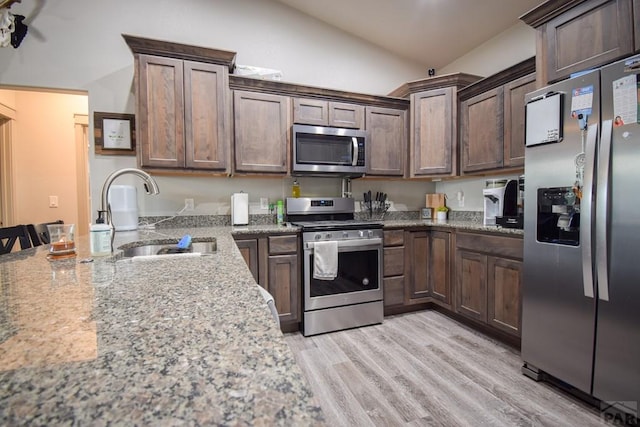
pixel 375 208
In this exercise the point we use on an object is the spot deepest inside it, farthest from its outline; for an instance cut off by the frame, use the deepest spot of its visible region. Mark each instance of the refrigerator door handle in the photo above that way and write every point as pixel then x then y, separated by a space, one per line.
pixel 602 211
pixel 586 211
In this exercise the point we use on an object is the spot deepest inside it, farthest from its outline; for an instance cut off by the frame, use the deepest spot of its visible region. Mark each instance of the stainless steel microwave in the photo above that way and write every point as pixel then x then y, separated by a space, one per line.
pixel 320 150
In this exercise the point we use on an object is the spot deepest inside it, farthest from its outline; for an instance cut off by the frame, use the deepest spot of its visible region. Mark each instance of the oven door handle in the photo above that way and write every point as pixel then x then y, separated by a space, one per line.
pixel 364 243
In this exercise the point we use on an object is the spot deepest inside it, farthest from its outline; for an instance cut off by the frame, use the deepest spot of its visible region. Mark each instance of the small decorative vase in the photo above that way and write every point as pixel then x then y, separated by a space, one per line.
pixel 441 216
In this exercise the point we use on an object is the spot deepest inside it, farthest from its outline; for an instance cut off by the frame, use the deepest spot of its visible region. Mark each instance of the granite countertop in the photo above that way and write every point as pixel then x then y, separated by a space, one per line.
pixel 453 224
pixel 171 342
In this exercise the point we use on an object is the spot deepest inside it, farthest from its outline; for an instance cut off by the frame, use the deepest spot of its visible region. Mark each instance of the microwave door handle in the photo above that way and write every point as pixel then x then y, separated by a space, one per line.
pixel 354 157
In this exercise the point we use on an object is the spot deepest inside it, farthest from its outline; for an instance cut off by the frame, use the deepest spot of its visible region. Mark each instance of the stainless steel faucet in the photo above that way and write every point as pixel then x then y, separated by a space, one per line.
pixel 150 186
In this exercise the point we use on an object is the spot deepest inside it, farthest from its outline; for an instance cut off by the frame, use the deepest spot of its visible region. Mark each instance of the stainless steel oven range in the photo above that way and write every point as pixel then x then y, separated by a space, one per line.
pixel 353 296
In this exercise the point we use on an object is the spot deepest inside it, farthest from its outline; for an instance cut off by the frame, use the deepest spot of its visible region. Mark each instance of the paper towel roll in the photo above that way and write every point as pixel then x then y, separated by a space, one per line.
pixel 240 209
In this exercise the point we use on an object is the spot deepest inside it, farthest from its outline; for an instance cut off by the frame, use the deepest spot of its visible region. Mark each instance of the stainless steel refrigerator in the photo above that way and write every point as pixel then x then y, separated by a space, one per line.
pixel 581 283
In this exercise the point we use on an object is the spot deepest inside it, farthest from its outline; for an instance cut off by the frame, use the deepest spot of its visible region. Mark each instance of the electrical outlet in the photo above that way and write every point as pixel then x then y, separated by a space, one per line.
pixel 53 201
pixel 264 203
pixel 188 205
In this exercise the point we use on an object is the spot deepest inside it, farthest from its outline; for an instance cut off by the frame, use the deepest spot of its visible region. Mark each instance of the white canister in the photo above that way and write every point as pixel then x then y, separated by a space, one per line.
pixel 123 200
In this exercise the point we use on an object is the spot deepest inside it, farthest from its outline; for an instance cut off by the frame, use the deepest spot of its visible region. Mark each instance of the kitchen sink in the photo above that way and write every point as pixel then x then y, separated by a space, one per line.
pixel 157 249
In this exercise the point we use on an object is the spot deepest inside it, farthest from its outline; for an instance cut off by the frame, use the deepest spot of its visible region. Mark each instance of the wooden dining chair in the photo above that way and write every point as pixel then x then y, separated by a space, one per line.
pixel 40 233
pixel 9 236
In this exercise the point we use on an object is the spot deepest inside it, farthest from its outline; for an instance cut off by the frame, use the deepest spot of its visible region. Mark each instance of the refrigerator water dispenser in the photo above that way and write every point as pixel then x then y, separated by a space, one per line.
pixel 558 216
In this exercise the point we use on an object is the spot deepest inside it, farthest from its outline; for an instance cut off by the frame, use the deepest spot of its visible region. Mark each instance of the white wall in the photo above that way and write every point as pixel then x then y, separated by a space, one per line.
pixel 44 153
pixel 77 44
pixel 471 189
pixel 506 49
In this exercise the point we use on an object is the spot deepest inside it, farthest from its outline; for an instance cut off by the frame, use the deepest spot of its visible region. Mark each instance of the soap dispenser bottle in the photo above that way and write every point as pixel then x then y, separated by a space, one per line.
pixel 295 189
pixel 100 236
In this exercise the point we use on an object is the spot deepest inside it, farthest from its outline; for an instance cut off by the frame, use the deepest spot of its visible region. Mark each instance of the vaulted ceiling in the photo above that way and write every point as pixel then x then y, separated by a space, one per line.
pixel 431 32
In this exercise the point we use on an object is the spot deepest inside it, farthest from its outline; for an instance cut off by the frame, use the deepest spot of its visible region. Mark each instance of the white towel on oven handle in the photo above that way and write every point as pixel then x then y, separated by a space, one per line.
pixel 325 260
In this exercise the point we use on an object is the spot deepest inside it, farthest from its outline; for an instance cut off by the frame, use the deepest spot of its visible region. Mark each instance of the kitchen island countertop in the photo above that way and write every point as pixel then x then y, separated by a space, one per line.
pixel 171 341
pixel 185 341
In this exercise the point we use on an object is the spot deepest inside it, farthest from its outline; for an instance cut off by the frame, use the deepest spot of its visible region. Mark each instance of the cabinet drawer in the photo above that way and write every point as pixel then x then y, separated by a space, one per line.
pixel 393 291
pixel 508 247
pixel 393 261
pixel 283 244
pixel 393 237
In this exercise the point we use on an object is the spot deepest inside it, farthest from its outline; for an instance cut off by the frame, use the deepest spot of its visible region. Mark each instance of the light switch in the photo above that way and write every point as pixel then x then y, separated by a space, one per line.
pixel 53 201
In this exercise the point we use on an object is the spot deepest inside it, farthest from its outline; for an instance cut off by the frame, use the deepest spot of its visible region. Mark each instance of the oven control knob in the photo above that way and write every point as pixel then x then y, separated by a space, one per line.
pixel 317 237
pixel 345 234
pixel 360 233
pixel 328 236
pixel 365 281
pixel 370 234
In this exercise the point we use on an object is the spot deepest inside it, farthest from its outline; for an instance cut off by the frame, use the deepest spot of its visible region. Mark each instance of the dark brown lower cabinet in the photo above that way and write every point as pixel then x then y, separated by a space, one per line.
pixel 418 251
pixel 284 284
pixel 504 303
pixel 274 263
pixel 440 267
pixel 249 250
pixel 471 285
pixel 429 267
pixel 489 280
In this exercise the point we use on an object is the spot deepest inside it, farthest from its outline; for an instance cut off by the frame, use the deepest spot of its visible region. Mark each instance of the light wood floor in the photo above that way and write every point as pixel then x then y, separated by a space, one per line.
pixel 423 369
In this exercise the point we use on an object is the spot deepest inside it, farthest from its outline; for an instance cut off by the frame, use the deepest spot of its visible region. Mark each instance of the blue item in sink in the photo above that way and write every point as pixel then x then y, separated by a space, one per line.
pixel 185 242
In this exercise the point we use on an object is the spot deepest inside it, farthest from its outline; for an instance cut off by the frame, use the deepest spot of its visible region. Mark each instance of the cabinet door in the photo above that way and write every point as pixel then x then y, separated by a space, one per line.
pixel 636 24
pixel 440 267
pixel 161 112
pixel 514 115
pixel 344 115
pixel 481 131
pixel 433 137
pixel 471 285
pixel 262 125
pixel 419 256
pixel 591 34
pixel 504 279
pixel 310 111
pixel 207 112
pixel 386 148
pixel 249 251
pixel 283 285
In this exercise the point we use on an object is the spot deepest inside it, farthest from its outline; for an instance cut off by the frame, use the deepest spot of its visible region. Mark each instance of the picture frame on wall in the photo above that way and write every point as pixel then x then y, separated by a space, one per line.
pixel 114 133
